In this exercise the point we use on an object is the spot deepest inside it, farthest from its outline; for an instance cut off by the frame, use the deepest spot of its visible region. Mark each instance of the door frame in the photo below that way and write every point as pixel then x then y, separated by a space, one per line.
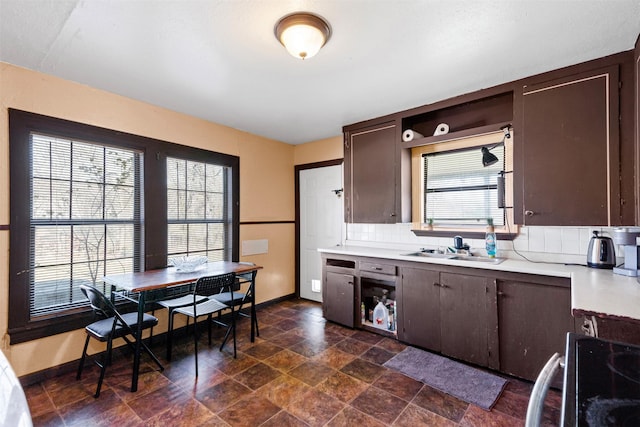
pixel 297 169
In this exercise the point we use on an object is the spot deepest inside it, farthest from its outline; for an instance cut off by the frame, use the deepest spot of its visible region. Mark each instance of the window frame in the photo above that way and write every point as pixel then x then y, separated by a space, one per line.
pixel 489 139
pixel 21 327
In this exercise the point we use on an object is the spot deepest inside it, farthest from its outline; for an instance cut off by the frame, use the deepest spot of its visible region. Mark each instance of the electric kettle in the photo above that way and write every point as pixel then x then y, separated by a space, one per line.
pixel 601 252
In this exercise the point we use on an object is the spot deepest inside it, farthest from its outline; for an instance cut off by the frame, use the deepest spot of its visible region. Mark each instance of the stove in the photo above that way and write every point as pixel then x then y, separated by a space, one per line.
pixel 601 383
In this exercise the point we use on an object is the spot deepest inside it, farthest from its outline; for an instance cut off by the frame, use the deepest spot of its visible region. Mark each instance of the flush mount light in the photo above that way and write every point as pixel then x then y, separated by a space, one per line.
pixel 302 33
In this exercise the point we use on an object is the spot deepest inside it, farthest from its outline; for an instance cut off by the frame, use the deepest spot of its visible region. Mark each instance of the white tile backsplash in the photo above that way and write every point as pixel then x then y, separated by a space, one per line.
pixel 550 244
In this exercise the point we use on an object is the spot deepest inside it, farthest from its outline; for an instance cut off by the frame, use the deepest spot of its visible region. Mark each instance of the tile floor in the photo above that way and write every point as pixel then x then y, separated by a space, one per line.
pixel 301 371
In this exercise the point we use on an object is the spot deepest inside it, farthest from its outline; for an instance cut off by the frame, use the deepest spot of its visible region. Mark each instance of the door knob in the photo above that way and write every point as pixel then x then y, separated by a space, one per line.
pixel 528 213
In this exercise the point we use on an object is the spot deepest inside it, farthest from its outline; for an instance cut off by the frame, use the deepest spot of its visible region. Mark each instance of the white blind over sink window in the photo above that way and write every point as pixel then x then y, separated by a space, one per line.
pixel 459 190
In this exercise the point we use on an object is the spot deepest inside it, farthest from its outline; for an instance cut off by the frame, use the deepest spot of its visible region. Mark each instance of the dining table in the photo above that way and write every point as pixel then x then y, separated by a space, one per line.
pixel 146 287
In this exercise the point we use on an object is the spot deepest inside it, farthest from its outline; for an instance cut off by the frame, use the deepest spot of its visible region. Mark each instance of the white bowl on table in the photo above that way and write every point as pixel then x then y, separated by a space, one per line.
pixel 188 264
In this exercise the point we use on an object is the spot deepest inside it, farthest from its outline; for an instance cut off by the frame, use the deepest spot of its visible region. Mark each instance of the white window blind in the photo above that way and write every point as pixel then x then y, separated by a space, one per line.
pixel 459 190
pixel 197 209
pixel 85 218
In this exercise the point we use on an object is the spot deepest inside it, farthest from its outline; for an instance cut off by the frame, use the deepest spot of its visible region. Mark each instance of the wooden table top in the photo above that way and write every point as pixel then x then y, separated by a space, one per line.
pixel 164 277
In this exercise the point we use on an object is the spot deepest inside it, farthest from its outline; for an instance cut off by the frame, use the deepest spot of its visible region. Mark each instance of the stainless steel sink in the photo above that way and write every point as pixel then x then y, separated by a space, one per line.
pixel 458 257
pixel 431 255
pixel 475 258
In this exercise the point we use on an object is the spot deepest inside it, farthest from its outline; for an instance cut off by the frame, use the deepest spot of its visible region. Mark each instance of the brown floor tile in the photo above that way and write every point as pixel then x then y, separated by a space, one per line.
pixel 308 348
pixel 440 403
pixel 88 410
pixel 512 404
pixel 399 385
pixel 231 366
pixel 257 376
pixel 311 372
pixel 250 411
pixel 287 324
pixel 192 413
pixel 342 386
pixel 263 350
pixel 392 345
pixel 222 395
pixel 381 405
pixel 285 360
pixel 316 408
pixel 363 370
pixel 478 417
pixel 334 358
pixel 287 339
pixel 284 390
pixel 377 355
pixel 49 419
pixel 352 346
pixel 350 416
pixel 148 382
pixel 38 400
pixel 415 416
pixel 148 405
pixel 367 337
pixel 283 419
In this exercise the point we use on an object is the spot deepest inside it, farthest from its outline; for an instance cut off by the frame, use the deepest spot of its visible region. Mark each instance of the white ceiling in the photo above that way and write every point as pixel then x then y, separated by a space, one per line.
pixel 219 60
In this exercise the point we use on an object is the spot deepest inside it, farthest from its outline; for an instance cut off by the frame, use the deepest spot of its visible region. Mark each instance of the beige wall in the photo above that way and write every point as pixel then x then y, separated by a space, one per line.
pixel 266 186
pixel 319 151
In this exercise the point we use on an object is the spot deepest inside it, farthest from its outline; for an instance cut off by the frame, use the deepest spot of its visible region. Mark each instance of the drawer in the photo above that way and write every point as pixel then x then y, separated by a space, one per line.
pixel 379 268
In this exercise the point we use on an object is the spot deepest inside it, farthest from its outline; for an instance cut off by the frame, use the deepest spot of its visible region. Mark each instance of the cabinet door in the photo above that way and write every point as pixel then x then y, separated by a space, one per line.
pixel 419 308
pixel 370 169
pixel 464 317
pixel 533 321
pixel 338 301
pixel 570 151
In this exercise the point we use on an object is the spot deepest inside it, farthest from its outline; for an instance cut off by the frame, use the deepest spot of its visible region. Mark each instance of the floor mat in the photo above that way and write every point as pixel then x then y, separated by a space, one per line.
pixel 457 379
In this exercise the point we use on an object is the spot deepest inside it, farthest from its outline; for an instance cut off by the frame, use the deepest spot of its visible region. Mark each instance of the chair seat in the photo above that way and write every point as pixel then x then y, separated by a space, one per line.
pixel 180 301
pixel 204 308
pixel 101 329
pixel 225 297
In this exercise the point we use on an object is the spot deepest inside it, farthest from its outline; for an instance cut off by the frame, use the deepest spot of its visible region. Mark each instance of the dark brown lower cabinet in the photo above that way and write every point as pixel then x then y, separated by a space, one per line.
pixel 533 321
pixel 449 313
pixel 338 299
pixel 419 308
pixel 466 317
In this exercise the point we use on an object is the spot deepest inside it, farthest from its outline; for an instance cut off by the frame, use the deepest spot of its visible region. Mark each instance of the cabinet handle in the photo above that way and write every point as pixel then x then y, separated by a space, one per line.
pixel 501 294
pixel 528 213
pixel 436 284
pixel 393 214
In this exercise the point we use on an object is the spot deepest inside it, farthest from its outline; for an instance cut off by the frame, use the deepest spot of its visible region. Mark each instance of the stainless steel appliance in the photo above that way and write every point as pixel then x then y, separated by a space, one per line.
pixel 601 252
pixel 601 384
pixel 627 237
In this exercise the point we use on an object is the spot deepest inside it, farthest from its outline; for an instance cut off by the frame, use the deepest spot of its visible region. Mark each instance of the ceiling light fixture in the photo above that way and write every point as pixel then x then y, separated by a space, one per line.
pixel 302 33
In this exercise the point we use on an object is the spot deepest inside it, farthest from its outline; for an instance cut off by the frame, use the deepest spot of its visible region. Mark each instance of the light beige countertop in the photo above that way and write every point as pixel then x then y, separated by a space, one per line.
pixel 593 291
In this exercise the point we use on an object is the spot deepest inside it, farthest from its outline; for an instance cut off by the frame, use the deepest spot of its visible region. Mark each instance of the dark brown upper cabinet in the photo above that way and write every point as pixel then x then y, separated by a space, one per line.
pixel 373 181
pixel 571 157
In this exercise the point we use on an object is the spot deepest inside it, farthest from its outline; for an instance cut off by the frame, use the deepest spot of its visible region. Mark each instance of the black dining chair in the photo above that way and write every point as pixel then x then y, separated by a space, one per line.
pixel 111 325
pixel 240 299
pixel 185 299
pixel 207 286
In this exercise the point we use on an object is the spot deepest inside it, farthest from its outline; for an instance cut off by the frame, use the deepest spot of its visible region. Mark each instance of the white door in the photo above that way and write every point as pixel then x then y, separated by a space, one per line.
pixel 321 223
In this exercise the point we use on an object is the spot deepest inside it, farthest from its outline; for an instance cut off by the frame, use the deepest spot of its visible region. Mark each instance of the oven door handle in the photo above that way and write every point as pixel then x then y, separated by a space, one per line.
pixel 540 388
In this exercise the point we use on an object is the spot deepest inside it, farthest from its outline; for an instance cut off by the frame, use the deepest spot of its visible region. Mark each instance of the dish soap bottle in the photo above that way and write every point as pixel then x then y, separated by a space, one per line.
pixel 490 239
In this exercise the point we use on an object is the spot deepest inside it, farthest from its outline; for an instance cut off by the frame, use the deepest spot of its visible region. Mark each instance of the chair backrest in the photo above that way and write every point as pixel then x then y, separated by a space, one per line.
pixel 211 285
pixel 100 304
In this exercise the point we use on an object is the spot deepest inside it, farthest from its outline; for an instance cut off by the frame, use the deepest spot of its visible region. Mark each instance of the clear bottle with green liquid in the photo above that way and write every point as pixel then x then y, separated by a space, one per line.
pixel 490 239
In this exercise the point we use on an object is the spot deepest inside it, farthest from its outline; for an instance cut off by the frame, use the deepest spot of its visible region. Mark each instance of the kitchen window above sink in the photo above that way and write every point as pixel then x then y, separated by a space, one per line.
pixel 455 194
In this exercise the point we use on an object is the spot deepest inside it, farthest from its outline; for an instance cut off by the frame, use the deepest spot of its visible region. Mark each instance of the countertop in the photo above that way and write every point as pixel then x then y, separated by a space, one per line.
pixel 593 291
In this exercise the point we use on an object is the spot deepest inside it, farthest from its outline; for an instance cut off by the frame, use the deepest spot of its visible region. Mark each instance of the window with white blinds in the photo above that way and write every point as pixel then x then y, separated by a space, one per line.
pixel 197 210
pixel 459 190
pixel 85 218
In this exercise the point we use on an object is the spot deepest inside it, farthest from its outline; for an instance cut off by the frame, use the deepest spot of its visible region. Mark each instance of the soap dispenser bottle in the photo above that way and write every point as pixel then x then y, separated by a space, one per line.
pixel 490 239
